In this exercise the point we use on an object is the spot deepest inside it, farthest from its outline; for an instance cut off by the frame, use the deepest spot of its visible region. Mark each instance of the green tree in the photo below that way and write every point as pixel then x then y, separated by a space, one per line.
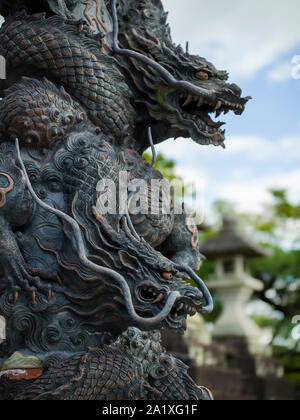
pixel 165 166
pixel 282 207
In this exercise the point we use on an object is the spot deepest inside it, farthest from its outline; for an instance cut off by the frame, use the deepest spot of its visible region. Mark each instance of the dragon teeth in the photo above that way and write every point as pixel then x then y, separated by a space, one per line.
pixel 218 106
pixel 200 102
pixel 218 113
pixel 188 100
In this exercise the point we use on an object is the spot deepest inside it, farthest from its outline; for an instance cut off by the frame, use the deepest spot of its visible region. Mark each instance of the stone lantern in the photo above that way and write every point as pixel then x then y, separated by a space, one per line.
pixel 235 286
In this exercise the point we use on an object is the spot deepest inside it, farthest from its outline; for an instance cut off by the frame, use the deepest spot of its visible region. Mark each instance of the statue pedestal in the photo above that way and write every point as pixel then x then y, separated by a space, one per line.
pixel 226 366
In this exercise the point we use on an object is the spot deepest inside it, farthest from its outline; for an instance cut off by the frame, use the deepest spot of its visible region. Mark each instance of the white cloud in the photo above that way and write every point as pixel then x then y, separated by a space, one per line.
pixel 254 164
pixel 249 145
pixel 240 36
pixel 281 72
pixel 255 147
pixel 252 195
pixel 262 149
pixel 284 150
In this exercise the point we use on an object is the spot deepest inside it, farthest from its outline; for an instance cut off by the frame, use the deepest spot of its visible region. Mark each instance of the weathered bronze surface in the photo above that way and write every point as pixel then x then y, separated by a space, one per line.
pixel 82 292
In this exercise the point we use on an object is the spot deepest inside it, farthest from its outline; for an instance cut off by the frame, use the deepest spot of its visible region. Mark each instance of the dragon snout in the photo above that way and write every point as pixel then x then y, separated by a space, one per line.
pixel 188 304
pixel 236 89
pixel 195 296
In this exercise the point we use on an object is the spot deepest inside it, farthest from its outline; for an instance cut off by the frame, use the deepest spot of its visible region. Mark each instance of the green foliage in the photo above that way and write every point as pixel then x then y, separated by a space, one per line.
pixel 207 270
pixel 265 322
pixel 281 276
pixel 279 272
pixel 218 308
pixel 282 207
pixel 279 221
pixel 224 208
pixel 282 264
pixel 291 362
pixel 165 166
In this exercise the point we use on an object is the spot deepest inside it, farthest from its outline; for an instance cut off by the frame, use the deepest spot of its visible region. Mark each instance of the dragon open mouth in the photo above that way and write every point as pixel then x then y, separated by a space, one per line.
pixel 187 305
pixel 182 308
pixel 198 112
pixel 177 318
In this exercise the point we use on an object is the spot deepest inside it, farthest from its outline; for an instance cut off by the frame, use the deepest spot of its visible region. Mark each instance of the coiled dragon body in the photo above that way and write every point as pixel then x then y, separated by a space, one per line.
pixel 51 47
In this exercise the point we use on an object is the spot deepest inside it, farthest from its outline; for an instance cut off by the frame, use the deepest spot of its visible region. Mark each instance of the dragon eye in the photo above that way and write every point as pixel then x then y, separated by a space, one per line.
pixel 167 276
pixel 202 75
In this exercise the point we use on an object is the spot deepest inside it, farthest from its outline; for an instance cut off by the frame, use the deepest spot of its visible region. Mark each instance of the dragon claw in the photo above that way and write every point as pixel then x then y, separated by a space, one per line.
pixel 16 291
pixel 19 280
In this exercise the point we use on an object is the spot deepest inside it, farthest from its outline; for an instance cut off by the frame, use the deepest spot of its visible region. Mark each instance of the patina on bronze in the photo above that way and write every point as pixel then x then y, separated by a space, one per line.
pixel 90 85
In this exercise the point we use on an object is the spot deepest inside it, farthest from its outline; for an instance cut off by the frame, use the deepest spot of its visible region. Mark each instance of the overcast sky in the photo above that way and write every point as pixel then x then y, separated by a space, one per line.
pixel 255 40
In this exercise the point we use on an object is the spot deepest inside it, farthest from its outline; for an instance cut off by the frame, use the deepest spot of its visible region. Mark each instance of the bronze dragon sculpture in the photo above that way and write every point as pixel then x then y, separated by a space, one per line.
pixel 83 292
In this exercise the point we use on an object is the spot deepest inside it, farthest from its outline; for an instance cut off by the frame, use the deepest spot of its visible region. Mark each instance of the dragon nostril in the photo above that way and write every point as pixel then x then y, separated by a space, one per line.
pixel 237 90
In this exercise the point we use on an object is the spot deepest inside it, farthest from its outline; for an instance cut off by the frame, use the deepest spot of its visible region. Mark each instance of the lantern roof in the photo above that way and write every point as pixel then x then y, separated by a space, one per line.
pixel 231 242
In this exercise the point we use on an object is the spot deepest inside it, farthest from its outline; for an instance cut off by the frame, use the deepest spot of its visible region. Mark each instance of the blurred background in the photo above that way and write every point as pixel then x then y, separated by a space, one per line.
pixel 250 201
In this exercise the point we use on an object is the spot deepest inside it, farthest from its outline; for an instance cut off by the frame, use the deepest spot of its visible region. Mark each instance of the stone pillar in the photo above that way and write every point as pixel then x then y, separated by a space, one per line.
pixel 235 290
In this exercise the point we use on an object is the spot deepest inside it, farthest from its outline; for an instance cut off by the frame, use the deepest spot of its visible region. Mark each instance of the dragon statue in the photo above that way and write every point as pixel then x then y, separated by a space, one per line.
pixel 90 84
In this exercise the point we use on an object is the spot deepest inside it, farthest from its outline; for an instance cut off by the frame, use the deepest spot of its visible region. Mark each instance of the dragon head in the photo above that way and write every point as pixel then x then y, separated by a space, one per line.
pixel 152 280
pixel 139 285
pixel 179 94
